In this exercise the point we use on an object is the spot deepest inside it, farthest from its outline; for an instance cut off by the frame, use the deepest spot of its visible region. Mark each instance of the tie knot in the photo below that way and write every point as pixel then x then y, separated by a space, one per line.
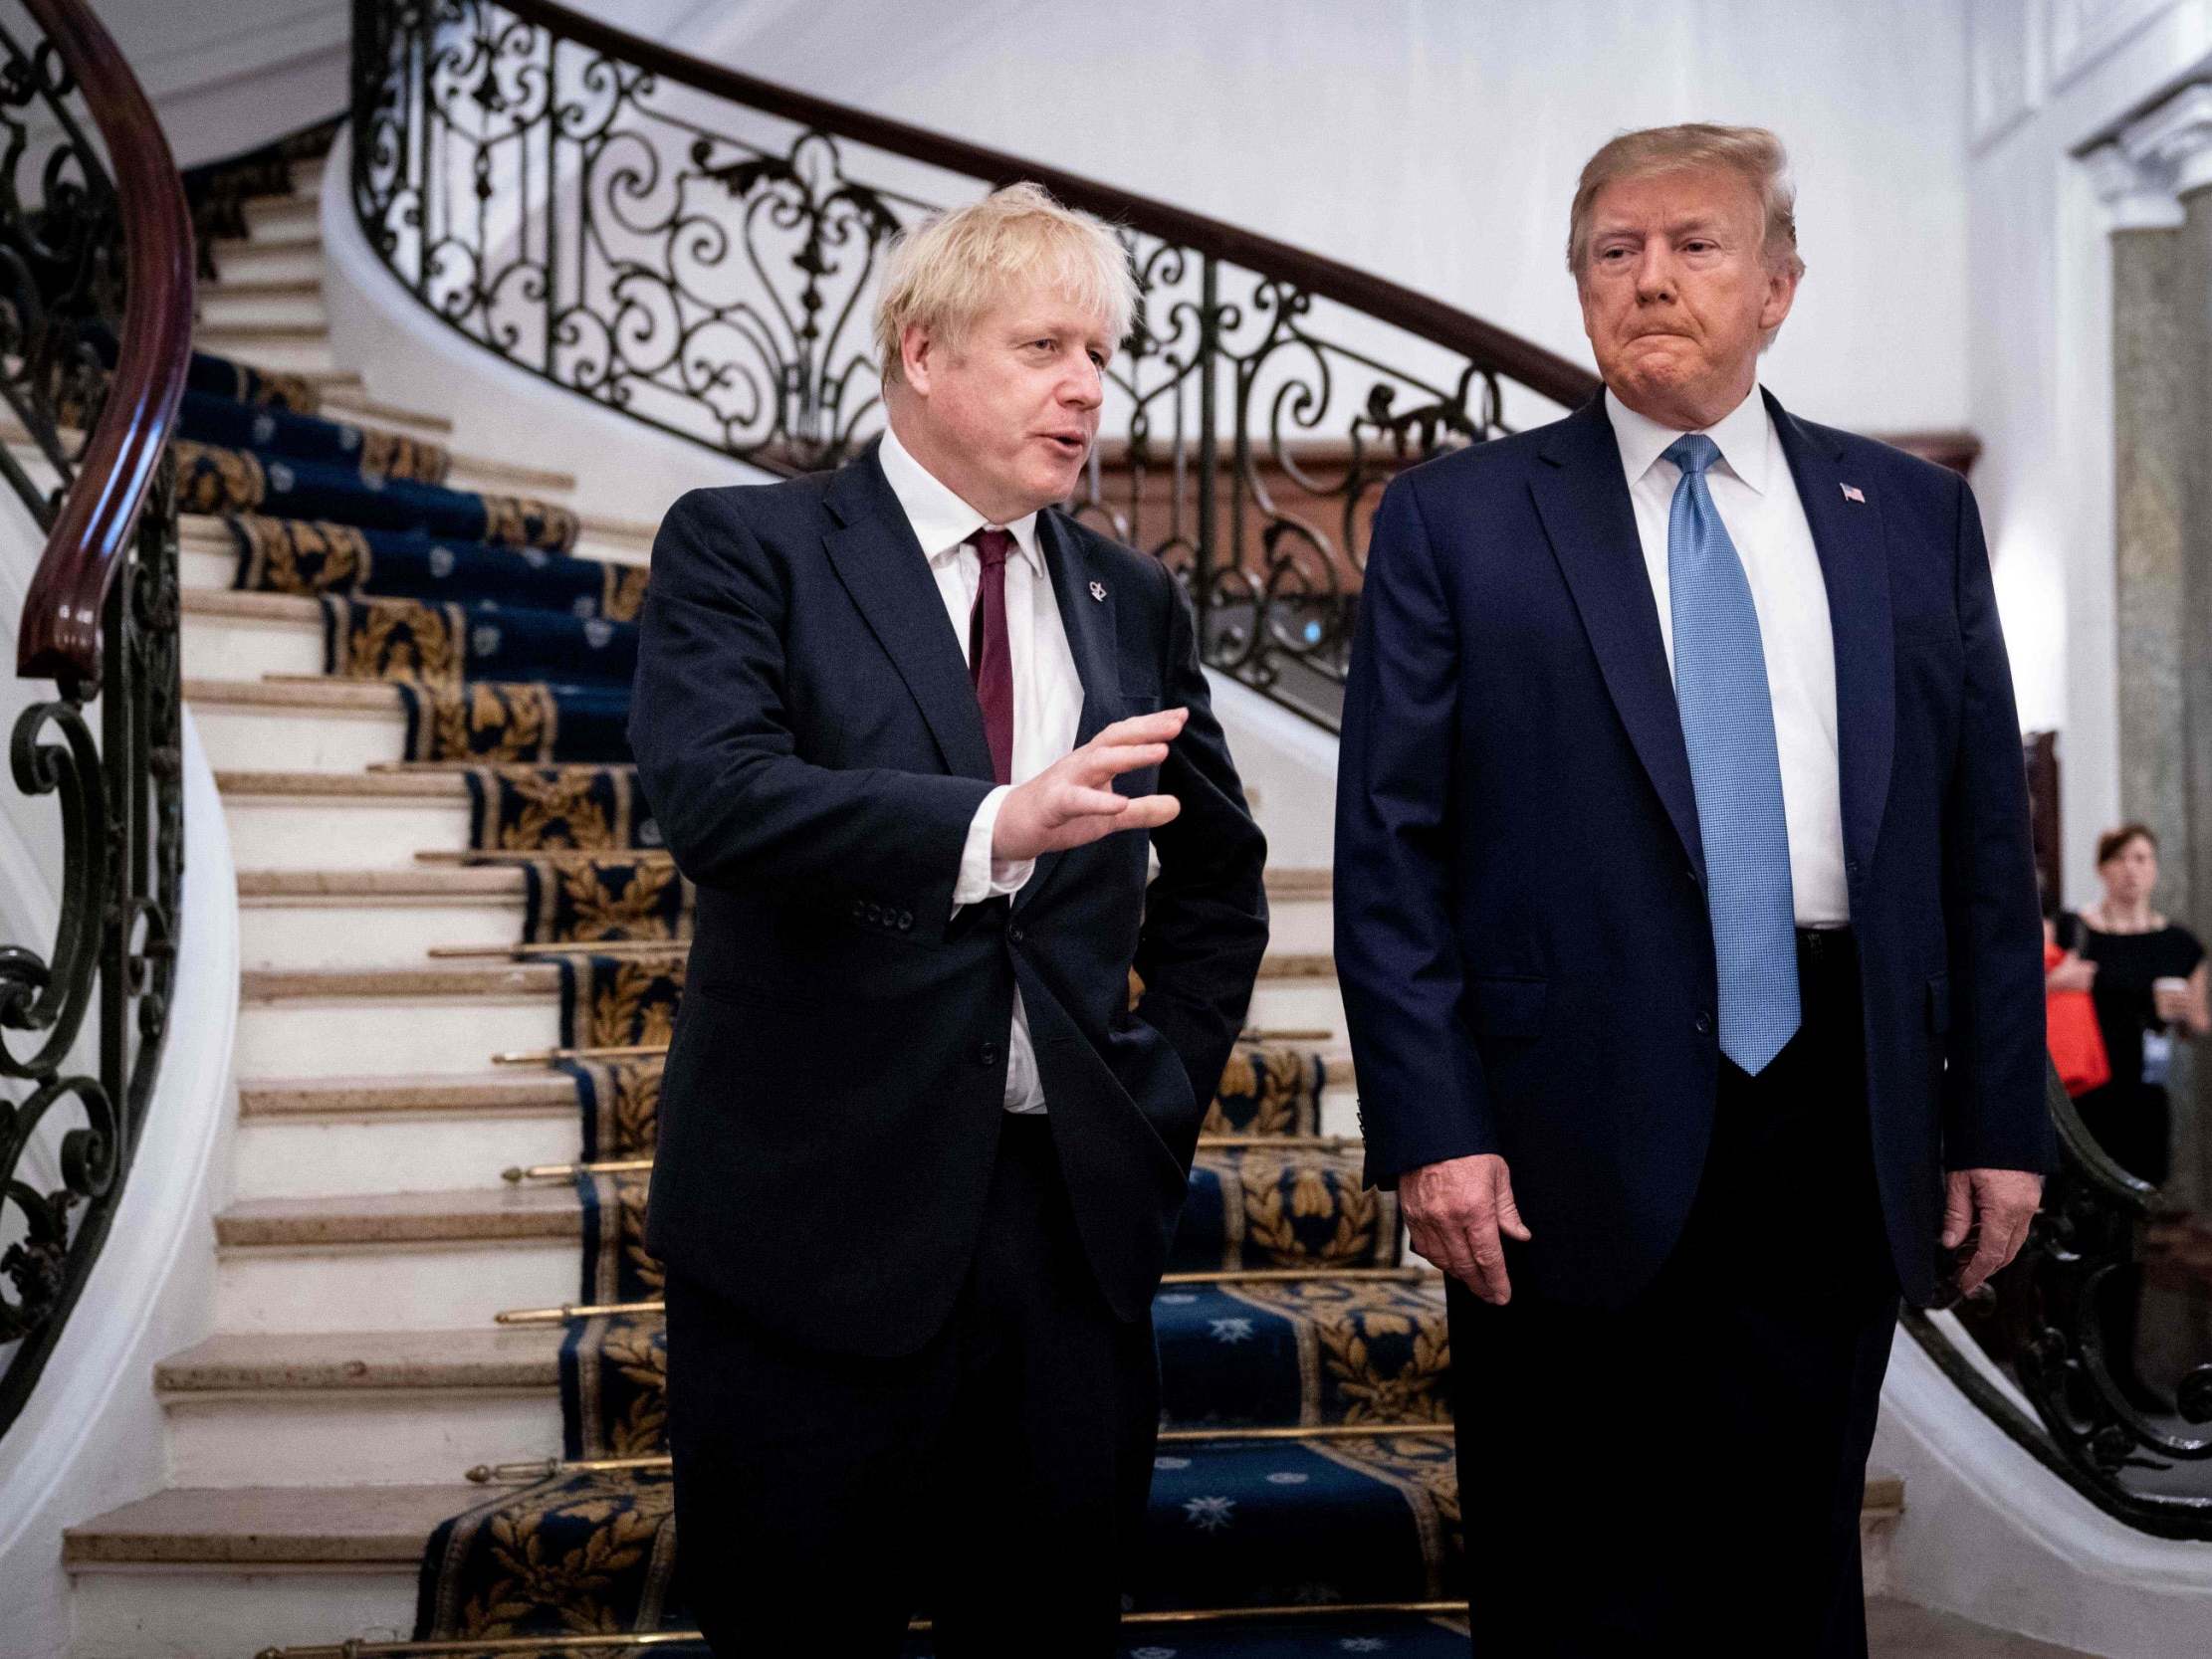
pixel 994 546
pixel 1693 452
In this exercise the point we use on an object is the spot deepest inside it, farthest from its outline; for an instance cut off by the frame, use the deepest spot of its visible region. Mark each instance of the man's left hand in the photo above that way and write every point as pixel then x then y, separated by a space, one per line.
pixel 1997 1204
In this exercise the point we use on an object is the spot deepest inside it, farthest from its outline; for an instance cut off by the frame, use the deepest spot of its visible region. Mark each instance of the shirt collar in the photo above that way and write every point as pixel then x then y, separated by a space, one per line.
pixel 1743 436
pixel 942 524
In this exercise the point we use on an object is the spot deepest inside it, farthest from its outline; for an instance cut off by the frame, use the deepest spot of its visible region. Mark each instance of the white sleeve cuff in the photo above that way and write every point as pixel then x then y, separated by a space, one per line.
pixel 982 876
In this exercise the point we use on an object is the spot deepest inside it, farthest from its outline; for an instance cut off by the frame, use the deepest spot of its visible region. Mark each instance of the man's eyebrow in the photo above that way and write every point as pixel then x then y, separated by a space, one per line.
pixel 1676 227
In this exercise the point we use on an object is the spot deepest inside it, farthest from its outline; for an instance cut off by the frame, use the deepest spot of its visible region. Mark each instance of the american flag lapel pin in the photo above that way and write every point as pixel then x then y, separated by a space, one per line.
pixel 1851 493
pixel 1098 592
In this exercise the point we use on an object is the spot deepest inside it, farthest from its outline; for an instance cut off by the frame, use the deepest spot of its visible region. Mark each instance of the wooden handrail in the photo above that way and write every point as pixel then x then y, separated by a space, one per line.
pixel 60 631
pixel 1544 372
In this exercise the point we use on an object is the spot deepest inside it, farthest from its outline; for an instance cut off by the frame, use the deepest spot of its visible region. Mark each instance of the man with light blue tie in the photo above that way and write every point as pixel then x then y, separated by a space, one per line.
pixel 1687 929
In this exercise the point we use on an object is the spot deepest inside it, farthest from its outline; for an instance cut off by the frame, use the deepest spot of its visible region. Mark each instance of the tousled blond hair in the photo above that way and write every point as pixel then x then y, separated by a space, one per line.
pixel 1751 153
pixel 953 266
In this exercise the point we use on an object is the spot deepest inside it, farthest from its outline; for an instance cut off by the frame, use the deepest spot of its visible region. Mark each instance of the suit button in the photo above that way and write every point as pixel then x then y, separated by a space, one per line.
pixel 986 1054
pixel 1851 870
pixel 906 921
pixel 1016 934
pixel 861 910
pixel 1704 1023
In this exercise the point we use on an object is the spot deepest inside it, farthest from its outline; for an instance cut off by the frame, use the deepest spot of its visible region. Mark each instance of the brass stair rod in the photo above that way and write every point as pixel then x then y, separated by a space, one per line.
pixel 580 947
pixel 545 1468
pixel 547 1056
pixel 1210 1276
pixel 543 855
pixel 1207 1143
pixel 665 1638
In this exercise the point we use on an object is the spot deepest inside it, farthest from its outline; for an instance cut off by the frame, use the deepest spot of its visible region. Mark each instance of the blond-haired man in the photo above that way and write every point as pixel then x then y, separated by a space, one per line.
pixel 911 730
pixel 1687 922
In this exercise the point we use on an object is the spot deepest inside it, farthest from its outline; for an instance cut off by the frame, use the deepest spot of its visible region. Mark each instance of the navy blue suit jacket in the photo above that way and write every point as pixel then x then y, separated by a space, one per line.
pixel 1521 929
pixel 811 743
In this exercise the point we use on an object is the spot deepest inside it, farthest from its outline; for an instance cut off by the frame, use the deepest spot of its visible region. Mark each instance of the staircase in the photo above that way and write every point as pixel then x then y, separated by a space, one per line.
pixel 389 1310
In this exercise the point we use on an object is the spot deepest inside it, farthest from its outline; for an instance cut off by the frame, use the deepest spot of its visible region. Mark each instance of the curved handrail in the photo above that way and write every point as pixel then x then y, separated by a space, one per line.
pixel 1542 371
pixel 59 635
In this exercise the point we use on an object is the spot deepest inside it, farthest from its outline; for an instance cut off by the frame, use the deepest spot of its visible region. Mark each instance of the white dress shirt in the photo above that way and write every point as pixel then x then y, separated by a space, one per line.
pixel 1758 502
pixel 1048 692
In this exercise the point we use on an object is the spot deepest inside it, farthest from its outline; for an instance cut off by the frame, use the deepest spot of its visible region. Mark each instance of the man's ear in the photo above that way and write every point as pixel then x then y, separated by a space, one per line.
pixel 919 351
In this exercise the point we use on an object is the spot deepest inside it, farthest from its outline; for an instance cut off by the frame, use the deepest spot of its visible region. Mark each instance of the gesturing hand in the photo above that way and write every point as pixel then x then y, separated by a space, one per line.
pixel 1455 1210
pixel 1072 802
pixel 1997 1204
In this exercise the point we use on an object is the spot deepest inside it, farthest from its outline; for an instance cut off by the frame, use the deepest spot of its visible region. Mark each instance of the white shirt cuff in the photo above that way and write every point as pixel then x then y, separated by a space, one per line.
pixel 982 876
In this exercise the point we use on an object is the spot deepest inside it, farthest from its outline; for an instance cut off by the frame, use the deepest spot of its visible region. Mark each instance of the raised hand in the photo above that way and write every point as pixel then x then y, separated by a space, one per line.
pixel 1454 1212
pixel 1073 801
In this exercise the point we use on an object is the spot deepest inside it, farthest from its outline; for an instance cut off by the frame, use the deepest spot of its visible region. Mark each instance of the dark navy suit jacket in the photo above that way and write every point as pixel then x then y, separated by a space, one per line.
pixel 811 743
pixel 1521 929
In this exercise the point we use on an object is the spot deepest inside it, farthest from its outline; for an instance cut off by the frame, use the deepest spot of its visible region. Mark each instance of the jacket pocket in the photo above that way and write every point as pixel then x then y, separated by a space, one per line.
pixel 1940 1002
pixel 1506 1005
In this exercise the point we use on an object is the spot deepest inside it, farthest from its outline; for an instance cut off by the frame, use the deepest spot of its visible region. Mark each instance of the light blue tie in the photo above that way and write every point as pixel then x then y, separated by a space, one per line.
pixel 1720 685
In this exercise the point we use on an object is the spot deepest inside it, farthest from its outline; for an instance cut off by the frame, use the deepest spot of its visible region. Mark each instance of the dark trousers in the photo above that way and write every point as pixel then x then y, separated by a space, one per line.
pixel 1685 1473
pixel 994 1481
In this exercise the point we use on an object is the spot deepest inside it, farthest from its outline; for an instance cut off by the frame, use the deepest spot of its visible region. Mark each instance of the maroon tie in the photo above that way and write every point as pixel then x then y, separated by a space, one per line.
pixel 989 662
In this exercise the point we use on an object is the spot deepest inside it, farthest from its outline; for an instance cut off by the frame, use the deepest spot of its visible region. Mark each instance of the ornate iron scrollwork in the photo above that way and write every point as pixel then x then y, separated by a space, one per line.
pixel 2045 1322
pixel 66 1147
pixel 705 266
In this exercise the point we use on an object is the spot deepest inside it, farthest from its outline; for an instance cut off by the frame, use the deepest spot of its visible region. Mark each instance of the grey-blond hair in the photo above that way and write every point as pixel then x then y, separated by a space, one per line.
pixel 953 266
pixel 1751 153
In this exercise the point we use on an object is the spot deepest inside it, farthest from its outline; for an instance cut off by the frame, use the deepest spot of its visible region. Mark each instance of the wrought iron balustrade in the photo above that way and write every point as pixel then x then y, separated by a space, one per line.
pixel 696 249
pixel 96 315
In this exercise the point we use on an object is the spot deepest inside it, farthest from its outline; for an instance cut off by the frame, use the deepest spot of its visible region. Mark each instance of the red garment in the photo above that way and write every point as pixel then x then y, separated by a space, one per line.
pixel 991 661
pixel 2077 1046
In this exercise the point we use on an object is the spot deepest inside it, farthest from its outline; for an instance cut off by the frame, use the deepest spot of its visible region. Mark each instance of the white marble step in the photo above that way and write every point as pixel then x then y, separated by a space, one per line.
pixel 250 636
pixel 349 1136
pixel 399 1261
pixel 275 348
pixel 292 257
pixel 336 918
pixel 385 1023
pixel 245 304
pixel 351 1407
pixel 336 726
pixel 326 820
pixel 269 217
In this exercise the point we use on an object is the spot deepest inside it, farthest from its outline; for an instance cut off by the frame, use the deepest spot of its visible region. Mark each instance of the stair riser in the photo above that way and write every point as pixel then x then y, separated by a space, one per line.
pixel 1299 925
pixel 279 833
pixel 232 310
pixel 249 648
pixel 192 1612
pixel 1298 1005
pixel 283 356
pixel 273 260
pixel 368 933
pixel 373 1037
pixel 202 567
pixel 397 1287
pixel 346 1437
pixel 245 739
pixel 389 1151
pixel 283 215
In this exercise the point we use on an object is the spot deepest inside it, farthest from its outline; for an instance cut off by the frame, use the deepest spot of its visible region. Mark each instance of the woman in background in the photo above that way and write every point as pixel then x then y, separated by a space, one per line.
pixel 2146 977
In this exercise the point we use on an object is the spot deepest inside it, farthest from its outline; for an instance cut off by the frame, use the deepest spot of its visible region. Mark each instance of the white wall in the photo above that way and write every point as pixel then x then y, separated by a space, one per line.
pixel 2047 76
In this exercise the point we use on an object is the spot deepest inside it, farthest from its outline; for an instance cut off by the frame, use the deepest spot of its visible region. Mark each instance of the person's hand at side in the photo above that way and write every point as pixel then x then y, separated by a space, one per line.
pixel 1073 801
pixel 1996 1205
pixel 1454 1212
pixel 2070 972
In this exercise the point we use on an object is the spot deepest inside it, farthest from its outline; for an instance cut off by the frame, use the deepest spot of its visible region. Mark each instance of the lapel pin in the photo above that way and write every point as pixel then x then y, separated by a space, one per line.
pixel 1098 592
pixel 1851 493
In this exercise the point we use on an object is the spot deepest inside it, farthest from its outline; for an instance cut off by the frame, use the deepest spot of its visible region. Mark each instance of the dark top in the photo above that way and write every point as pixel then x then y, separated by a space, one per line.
pixel 2126 964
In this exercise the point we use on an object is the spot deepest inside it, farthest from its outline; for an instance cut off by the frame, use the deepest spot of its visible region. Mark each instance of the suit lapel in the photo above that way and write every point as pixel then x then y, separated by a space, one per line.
pixel 1855 568
pixel 883 567
pixel 1583 500
pixel 1092 640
